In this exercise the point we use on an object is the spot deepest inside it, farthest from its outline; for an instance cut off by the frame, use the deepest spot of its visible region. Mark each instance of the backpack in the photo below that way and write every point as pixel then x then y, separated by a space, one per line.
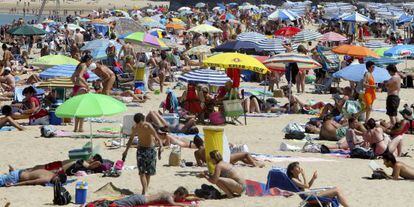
pixel 362 153
pixel 208 192
pixel 47 131
pixel 60 195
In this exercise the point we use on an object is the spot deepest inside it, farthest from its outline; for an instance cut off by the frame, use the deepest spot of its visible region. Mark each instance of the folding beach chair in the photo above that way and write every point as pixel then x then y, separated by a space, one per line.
pixel 279 179
pixel 233 108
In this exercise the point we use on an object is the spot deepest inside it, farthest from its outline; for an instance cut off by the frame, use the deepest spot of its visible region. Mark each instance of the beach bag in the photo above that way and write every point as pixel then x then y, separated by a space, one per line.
pixel 378 175
pixel 175 156
pixel 208 192
pixel 60 195
pixel 292 128
pixel 47 131
pixel 216 118
pixel 233 107
pixel 295 135
pixel 362 153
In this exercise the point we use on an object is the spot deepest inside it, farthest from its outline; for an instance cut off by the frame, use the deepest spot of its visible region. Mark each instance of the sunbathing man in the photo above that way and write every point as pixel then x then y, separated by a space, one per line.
pixel 168 139
pixel 379 142
pixel 245 157
pixel 331 130
pixel 7 119
pixel 146 153
pixel 399 169
pixel 34 177
pixel 159 122
pixel 138 200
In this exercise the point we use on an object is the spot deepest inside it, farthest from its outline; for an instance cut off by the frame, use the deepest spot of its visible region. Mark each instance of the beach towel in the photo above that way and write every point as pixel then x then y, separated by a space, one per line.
pixel 66 183
pixel 100 120
pixel 7 128
pixel 109 130
pixel 264 115
pixel 187 136
pixel 278 158
pixel 98 203
pixel 257 189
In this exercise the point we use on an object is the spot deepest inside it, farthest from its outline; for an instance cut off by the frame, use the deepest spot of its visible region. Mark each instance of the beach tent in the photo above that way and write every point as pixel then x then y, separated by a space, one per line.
pixel 63 71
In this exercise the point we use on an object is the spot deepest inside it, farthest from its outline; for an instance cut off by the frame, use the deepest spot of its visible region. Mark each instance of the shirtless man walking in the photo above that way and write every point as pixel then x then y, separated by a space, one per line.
pixel 146 153
pixel 107 76
pixel 393 86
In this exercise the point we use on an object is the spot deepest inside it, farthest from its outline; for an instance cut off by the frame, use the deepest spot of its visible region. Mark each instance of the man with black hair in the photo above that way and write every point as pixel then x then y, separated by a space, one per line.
pixel 146 153
pixel 30 177
pixel 393 86
pixel 399 169
pixel 7 119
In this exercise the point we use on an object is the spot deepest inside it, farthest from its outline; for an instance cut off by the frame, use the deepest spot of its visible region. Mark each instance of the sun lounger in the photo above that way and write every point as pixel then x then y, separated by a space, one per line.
pixel 278 178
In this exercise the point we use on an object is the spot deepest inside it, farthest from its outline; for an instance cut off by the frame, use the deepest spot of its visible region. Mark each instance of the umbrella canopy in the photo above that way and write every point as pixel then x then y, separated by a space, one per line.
pixel 127 26
pixel 176 26
pixel 236 60
pixel 227 16
pixel 377 44
pixel 90 105
pixel 154 24
pixel 205 28
pixel 354 51
pixel 356 17
pixel 184 8
pixel 73 27
pixel 355 72
pixel 283 14
pixel 202 49
pixel 233 46
pixel 250 36
pixel 383 61
pixel 287 31
pixel 26 30
pixel 64 71
pixel 53 60
pixel 277 62
pixel 333 37
pixel 146 39
pixel 271 45
pixel 205 76
pixel 400 51
pixel 98 48
pixel 200 5
pixel 306 36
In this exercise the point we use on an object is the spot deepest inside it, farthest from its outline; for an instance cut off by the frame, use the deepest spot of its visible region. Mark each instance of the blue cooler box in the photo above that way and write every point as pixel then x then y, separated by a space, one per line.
pixel 81 192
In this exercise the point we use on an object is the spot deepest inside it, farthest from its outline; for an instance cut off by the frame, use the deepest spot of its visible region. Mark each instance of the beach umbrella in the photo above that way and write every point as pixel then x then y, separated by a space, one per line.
pixel 400 51
pixel 332 37
pixel 271 45
pixel 283 14
pixel 205 76
pixel 156 33
pixel 53 60
pixel 145 39
pixel 200 5
pixel 250 36
pixel 356 17
pixel 278 62
pixel 236 45
pixel 377 44
pixel 205 28
pixel 355 72
pixel 202 49
pixel 90 105
pixel 153 24
pixel 184 8
pixel 175 26
pixel 185 13
pixel 227 16
pixel 380 51
pixel 98 21
pixel 48 21
pixel 354 51
pixel 306 36
pixel 26 30
pixel 125 26
pixel 63 71
pixel 236 60
pixel 248 7
pixel 98 48
pixel 72 27
pixel 383 61
pixel 287 31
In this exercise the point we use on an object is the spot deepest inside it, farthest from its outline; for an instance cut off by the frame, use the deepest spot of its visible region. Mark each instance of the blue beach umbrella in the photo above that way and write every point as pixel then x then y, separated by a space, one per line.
pixel 98 48
pixel 383 61
pixel 356 17
pixel 400 51
pixel 205 76
pixel 283 14
pixel 234 46
pixel 63 71
pixel 355 72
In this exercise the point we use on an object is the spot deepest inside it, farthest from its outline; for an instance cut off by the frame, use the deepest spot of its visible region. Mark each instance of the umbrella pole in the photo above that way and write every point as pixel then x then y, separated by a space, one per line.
pixel 90 129
pixel 290 89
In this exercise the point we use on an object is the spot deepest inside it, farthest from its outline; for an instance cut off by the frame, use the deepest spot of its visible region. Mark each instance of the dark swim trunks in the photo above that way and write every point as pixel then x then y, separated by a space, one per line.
pixel 146 160
pixel 393 102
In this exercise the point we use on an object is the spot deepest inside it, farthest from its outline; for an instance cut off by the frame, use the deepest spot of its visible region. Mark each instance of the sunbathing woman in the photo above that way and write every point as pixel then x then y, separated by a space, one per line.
pixel 97 85
pixel 380 143
pixel 7 119
pixel 297 175
pixel 225 176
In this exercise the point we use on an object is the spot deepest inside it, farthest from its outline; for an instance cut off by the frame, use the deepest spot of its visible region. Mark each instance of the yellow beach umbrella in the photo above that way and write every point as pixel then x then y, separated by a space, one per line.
pixel 236 60
pixel 205 28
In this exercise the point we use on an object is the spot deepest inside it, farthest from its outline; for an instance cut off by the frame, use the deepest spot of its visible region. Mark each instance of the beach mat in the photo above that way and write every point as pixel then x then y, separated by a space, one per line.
pixel 187 136
pixel 156 204
pixel 101 120
pixel 257 189
pixel 277 159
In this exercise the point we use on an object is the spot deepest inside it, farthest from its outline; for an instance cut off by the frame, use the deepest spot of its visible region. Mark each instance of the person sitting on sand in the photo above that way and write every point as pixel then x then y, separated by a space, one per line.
pixel 8 119
pixel 159 122
pixel 34 177
pixel 331 130
pixel 106 75
pixel 8 83
pixel 32 108
pixel 137 200
pixel 297 175
pixel 336 109
pixel 225 176
pixel 140 98
pixel 379 142
pixel 245 157
pixel 399 169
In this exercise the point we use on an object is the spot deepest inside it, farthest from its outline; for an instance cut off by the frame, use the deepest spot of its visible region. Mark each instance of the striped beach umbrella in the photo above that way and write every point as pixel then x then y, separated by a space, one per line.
pixel 356 17
pixel 98 48
pixel 377 44
pixel 202 49
pixel 283 14
pixel 271 45
pixel 63 71
pixel 250 37
pixel 278 62
pixel 205 76
pixel 383 61
pixel 306 36
pixel 333 37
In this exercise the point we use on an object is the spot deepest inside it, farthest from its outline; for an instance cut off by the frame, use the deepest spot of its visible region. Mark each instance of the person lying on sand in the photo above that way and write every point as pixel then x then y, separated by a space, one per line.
pixel 225 176
pixel 70 167
pixel 7 119
pixel 97 85
pixel 245 157
pixel 168 139
pixel 399 169
pixel 34 177
pixel 331 130
pixel 137 200
pixel 297 175
pixel 160 123
pixel 353 137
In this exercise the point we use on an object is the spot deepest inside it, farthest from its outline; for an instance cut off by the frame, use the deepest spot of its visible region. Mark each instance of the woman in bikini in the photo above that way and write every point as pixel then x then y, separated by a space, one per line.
pixel 225 176
pixel 79 79
pixel 379 142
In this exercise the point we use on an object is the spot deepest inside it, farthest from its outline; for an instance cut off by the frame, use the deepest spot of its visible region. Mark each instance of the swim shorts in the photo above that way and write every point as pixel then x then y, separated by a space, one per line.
pixel 146 160
pixel 393 102
pixel 11 178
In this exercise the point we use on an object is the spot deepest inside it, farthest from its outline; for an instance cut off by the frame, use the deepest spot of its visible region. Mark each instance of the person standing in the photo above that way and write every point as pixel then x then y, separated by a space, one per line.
pixel 369 85
pixel 393 86
pixel 146 153
pixel 106 75
pixel 79 38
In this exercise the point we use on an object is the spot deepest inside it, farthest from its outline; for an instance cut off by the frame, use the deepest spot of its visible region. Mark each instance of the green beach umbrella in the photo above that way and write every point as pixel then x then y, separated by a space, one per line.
pixel 53 60
pixel 90 105
pixel 26 30
pixel 380 51
pixel 145 39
